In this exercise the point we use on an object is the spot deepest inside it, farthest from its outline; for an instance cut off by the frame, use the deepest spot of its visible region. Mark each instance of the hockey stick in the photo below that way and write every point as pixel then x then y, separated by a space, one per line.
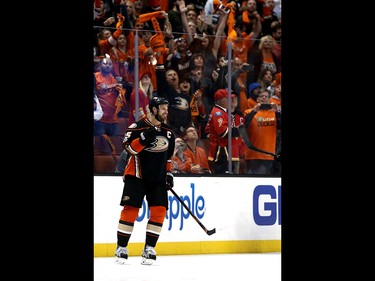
pixel 209 232
pixel 245 137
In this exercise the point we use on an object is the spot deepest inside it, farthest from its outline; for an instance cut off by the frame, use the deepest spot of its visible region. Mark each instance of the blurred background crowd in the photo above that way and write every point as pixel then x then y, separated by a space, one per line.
pixel 218 63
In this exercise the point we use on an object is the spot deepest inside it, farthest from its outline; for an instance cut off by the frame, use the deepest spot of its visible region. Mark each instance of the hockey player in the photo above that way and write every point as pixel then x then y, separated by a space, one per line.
pixel 150 144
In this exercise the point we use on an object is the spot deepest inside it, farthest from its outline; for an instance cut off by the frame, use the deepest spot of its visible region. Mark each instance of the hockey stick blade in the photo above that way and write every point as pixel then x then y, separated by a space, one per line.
pixel 209 232
pixel 246 140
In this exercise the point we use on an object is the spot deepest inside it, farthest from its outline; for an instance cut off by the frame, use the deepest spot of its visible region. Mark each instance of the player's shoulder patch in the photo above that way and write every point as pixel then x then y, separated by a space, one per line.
pixel 218 113
pixel 133 125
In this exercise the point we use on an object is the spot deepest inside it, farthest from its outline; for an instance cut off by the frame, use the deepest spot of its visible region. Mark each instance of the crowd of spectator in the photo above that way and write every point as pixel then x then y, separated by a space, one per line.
pixel 208 59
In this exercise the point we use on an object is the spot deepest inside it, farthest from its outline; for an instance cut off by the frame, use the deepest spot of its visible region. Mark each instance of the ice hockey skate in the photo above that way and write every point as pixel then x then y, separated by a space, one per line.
pixel 148 255
pixel 121 255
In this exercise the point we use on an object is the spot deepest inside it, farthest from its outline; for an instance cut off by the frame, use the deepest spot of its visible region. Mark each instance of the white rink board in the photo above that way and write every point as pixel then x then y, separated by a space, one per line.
pixel 240 208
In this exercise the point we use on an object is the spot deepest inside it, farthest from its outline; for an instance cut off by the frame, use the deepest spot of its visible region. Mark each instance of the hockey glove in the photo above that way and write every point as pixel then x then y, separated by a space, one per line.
pixel 147 136
pixel 169 180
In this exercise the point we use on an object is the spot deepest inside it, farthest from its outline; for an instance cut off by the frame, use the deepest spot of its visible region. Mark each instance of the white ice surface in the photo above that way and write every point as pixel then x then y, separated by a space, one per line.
pixel 228 267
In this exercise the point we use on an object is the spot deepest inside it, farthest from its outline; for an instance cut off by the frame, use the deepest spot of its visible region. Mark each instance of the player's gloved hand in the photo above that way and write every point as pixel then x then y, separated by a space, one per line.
pixel 235 132
pixel 147 136
pixel 169 180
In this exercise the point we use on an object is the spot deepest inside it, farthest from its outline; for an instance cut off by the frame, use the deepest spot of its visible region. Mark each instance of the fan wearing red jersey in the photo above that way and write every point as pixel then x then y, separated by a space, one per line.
pixel 217 128
pixel 150 144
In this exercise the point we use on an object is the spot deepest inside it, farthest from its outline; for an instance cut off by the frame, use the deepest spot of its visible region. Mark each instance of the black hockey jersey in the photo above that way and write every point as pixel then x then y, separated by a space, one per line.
pixel 150 161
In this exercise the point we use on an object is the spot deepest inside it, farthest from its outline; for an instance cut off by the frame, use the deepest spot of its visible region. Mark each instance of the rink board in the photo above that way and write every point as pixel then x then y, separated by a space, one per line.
pixel 244 211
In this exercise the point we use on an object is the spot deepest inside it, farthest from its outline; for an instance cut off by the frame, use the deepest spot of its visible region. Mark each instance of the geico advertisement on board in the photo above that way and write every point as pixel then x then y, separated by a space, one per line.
pixel 237 208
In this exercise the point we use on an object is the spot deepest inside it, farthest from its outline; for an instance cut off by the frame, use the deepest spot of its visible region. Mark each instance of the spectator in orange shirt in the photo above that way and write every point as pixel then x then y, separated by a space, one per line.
pixel 107 39
pixel 112 99
pixel 123 63
pixel 196 153
pixel 254 89
pixel 180 162
pixel 264 58
pixel 261 126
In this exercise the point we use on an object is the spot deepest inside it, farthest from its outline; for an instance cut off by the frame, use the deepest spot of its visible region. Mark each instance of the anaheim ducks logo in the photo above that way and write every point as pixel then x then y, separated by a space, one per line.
pixel 181 103
pixel 159 145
